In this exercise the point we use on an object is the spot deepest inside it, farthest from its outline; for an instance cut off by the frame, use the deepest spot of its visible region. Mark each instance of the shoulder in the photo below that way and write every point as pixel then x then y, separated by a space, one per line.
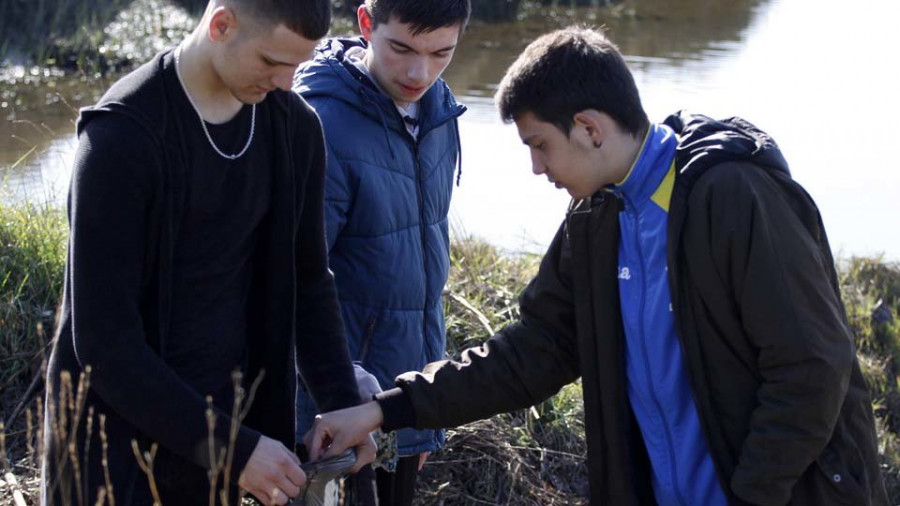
pixel 117 150
pixel 292 106
pixel 139 94
pixel 733 179
pixel 290 111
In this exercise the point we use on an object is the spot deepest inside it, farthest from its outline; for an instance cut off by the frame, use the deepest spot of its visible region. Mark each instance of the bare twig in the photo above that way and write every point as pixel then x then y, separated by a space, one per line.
pixel 145 462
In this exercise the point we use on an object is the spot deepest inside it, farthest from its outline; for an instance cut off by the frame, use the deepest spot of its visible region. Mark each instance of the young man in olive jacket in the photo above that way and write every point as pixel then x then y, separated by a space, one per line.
pixel 692 289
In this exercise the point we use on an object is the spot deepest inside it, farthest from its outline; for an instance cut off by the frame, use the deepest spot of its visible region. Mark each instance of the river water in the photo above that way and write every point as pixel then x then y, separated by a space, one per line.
pixel 822 77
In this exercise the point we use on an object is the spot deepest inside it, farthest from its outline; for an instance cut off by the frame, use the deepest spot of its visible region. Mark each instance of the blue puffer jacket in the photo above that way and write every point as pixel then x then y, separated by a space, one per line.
pixel 386 202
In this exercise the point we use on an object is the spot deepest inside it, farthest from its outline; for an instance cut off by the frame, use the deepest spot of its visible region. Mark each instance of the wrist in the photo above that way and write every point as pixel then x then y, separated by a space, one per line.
pixel 373 415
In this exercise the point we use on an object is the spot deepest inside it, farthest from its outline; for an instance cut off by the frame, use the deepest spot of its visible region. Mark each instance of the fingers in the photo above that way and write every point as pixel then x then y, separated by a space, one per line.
pixel 276 497
pixel 297 478
pixel 365 453
pixel 317 439
pixel 336 431
pixel 272 473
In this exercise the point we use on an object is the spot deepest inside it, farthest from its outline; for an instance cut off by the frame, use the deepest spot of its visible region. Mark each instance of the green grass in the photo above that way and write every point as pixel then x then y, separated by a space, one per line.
pixel 530 457
pixel 32 257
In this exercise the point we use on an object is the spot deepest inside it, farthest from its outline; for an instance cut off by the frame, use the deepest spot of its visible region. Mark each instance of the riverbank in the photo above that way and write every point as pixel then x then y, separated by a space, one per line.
pixel 82 35
pixel 530 457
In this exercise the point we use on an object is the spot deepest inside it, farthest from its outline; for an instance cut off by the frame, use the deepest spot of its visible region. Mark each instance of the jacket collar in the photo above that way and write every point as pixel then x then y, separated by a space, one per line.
pixel 651 164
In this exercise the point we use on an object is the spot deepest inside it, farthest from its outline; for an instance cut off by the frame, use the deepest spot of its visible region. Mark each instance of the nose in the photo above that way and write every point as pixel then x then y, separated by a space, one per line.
pixel 283 79
pixel 537 167
pixel 418 70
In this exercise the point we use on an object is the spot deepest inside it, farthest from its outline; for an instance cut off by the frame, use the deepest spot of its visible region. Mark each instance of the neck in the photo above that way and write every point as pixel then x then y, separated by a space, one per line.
pixel 634 144
pixel 214 101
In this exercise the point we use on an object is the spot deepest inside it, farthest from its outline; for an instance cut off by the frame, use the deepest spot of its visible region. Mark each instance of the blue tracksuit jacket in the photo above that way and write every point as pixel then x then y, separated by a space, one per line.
pixel 658 388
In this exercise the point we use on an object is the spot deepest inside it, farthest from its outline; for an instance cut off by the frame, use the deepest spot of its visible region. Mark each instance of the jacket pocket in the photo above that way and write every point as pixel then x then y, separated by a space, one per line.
pixel 842 466
pixel 366 342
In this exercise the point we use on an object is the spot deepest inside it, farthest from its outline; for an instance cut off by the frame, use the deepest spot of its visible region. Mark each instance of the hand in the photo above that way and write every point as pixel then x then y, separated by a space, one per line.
pixel 422 458
pixel 273 473
pixel 334 432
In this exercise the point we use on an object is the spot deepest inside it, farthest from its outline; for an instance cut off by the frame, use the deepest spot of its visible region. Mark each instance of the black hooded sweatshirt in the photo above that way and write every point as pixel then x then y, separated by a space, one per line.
pixel 116 314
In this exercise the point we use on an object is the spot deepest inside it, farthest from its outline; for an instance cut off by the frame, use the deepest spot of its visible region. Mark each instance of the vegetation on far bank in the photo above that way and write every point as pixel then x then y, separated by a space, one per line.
pixel 530 457
pixel 74 34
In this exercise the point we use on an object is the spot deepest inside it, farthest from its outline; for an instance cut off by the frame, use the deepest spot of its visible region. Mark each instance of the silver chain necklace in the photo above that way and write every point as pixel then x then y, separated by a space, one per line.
pixel 203 122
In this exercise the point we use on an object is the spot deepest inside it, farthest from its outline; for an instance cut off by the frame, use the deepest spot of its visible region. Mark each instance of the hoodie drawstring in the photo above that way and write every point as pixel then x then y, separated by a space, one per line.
pixel 384 127
pixel 458 153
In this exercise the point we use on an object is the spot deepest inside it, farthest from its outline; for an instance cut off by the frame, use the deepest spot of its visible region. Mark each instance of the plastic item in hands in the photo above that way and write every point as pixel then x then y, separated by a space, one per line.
pixel 321 472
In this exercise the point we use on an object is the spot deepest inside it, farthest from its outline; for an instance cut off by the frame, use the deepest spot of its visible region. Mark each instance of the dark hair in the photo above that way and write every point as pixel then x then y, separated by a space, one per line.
pixel 309 18
pixel 567 71
pixel 421 15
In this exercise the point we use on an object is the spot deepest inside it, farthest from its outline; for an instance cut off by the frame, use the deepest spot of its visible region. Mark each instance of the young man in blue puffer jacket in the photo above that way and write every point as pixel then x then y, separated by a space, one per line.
pixel 393 147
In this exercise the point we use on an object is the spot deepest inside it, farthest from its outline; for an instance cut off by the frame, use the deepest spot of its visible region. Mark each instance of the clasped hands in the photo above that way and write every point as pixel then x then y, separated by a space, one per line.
pixel 273 474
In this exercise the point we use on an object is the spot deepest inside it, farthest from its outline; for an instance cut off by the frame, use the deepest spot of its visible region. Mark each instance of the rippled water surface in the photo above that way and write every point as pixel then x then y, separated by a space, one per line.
pixel 821 76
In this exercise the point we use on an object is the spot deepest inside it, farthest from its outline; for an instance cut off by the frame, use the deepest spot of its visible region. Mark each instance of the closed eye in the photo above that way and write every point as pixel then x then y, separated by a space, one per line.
pixel 400 49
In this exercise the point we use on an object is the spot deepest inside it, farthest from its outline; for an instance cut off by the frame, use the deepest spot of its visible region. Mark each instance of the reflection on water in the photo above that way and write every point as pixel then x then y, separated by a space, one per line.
pixel 818 75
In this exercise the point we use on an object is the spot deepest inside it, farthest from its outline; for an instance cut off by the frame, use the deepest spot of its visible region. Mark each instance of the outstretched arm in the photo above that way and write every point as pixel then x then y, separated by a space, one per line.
pixel 523 364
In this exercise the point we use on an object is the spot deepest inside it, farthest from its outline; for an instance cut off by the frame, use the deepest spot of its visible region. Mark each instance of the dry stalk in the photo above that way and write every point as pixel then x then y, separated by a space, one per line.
pixel 104 445
pixel 40 424
pixel 76 471
pixel 87 442
pixel 145 462
pixel 101 497
pixel 215 464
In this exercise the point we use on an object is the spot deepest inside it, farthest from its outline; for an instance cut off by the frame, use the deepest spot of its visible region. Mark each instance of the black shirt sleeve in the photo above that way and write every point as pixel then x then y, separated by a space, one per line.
pixel 322 352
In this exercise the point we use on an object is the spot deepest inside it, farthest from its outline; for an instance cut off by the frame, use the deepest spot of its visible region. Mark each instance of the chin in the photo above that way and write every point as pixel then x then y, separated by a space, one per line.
pixel 250 97
pixel 577 195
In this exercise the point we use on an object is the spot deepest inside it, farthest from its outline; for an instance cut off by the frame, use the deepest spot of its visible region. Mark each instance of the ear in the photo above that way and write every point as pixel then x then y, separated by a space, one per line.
pixel 365 22
pixel 590 122
pixel 222 24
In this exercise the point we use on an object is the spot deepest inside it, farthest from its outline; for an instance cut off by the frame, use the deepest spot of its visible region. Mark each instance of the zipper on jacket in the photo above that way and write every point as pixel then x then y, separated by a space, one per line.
pixel 367 339
pixel 632 213
pixel 420 194
pixel 421 197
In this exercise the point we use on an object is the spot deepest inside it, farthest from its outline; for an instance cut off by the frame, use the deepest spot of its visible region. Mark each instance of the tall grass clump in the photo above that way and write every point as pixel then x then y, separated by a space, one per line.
pixel 528 457
pixel 32 259
pixel 871 291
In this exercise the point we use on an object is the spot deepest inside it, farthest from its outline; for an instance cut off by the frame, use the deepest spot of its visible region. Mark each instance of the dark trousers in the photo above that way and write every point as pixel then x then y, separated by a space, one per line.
pixel 399 487
pixel 391 489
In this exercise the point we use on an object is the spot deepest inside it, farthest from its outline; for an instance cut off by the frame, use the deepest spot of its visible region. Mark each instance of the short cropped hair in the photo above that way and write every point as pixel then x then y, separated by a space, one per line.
pixel 422 15
pixel 309 18
pixel 568 71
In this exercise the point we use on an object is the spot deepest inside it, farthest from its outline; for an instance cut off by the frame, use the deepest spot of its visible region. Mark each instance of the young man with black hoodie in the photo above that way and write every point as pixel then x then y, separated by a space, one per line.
pixel 692 289
pixel 197 248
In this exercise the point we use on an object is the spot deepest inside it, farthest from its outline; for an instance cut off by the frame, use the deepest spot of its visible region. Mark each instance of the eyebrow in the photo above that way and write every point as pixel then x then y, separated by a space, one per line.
pixel 276 61
pixel 407 46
